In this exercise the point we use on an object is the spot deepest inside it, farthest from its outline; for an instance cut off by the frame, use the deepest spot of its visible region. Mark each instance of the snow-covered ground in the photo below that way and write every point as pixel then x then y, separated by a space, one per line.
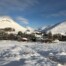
pixel 13 53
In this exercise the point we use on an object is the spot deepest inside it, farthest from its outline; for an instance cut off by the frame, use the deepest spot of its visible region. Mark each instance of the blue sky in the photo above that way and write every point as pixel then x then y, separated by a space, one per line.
pixel 34 13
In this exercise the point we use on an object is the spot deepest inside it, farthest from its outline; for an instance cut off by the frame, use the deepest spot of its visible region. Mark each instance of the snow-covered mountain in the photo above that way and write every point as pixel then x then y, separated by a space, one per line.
pixel 57 28
pixel 6 22
pixel 29 30
pixel 45 28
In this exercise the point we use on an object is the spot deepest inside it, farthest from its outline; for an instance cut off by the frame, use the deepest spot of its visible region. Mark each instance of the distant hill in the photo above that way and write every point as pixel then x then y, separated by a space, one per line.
pixel 8 22
pixel 57 28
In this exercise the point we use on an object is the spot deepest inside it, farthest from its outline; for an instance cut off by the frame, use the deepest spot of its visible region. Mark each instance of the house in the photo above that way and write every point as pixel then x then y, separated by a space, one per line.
pixel 38 35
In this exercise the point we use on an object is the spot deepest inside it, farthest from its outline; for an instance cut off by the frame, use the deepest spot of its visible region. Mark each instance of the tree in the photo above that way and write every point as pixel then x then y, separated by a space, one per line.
pixel 57 36
pixel 32 37
pixel 3 35
pixel 8 29
pixel 50 35
pixel 12 36
pixel 20 33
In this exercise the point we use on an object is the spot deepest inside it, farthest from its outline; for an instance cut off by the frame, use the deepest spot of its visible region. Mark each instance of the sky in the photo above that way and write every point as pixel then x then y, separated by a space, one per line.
pixel 34 13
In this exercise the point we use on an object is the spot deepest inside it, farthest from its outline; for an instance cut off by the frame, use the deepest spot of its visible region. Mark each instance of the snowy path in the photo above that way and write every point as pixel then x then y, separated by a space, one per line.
pixel 13 53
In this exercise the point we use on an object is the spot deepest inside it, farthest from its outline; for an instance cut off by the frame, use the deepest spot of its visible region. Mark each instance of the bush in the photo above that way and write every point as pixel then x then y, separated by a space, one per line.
pixel 57 36
pixel 3 35
pixel 63 38
pixel 12 37
pixel 20 33
pixel 8 29
pixel 32 37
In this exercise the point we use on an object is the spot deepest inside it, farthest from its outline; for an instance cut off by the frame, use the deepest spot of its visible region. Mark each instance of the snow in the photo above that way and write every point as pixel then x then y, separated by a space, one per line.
pixel 13 53
pixel 62 53
pixel 61 65
pixel 56 40
pixel 59 28
pixel 51 54
pixel 6 21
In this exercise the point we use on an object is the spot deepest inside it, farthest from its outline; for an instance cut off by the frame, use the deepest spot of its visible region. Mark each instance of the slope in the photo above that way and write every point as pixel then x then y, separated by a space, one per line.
pixel 6 21
pixel 57 28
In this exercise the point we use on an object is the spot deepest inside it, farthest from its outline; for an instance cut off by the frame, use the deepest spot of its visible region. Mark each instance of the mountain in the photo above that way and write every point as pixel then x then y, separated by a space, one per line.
pixel 29 30
pixel 45 28
pixel 42 28
pixel 59 28
pixel 8 22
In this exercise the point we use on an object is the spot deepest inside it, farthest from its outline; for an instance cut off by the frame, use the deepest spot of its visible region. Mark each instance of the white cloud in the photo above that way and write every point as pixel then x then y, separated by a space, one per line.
pixel 23 20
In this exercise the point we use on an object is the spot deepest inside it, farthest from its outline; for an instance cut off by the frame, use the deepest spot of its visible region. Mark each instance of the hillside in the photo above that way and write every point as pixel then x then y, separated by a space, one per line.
pixel 8 22
pixel 57 28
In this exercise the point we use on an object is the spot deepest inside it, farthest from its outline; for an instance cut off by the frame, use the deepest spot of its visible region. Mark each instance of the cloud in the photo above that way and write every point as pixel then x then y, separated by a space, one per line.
pixel 23 20
pixel 15 5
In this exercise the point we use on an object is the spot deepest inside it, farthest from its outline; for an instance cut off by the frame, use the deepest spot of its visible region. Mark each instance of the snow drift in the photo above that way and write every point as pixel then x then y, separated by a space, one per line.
pixel 13 53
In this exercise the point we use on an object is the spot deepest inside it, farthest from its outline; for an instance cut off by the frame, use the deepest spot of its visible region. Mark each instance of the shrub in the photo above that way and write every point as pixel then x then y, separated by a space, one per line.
pixel 9 29
pixel 12 37
pixel 57 36
pixel 20 33
pixel 32 37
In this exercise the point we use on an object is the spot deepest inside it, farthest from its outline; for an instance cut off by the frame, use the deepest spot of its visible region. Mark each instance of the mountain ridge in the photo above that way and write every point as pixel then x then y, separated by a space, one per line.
pixel 57 28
